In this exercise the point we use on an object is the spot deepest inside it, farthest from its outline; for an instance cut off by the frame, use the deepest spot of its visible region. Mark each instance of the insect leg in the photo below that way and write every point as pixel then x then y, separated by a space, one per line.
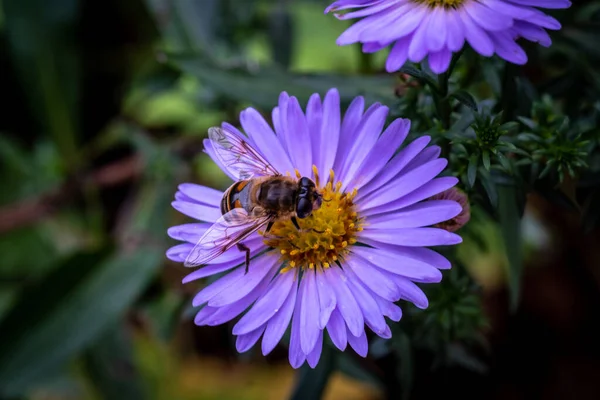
pixel 243 247
pixel 295 222
pixel 269 226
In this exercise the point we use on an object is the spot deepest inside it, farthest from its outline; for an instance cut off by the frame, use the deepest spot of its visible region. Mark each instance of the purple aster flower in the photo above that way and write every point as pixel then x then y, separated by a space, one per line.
pixel 438 28
pixel 362 249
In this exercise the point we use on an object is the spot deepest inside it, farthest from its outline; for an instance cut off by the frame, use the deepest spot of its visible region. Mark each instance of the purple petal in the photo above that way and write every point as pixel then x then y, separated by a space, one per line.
pixel 346 303
pixel 373 47
pixel 418 46
pixel 373 317
pixel 353 33
pixel 429 189
pixel 532 33
pixel 208 149
pixel 179 252
pixel 394 167
pixel 389 309
pixel 418 215
pixel 359 344
pixel 428 154
pixel 264 267
pixel 197 211
pixel 330 130
pixel 385 147
pixel 296 355
pixel 314 118
pixel 455 39
pixel 351 119
pixel 544 3
pixel 254 243
pixel 419 254
pixel 507 49
pixel 386 334
pixel 476 36
pixel 345 4
pixel 410 291
pixel 229 312
pixel 309 311
pixel 243 343
pixel 372 9
pixel 407 182
pixel 267 306
pixel 396 263
pixel 543 20
pixel 209 270
pixel 398 23
pixel 366 136
pixel 301 141
pixel 216 287
pixel 265 140
pixel 437 30
pixel 233 255
pixel 487 18
pixel 313 357
pixel 398 55
pixel 371 277
pixel 511 10
pixel 327 300
pixel 202 194
pixel 413 236
pixel 278 324
pixel 280 123
pixel 440 61
pixel 190 233
pixel 336 328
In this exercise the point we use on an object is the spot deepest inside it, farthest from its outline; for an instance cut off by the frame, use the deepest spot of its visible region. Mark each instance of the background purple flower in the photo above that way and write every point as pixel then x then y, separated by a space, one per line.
pixel 437 28
pixel 378 198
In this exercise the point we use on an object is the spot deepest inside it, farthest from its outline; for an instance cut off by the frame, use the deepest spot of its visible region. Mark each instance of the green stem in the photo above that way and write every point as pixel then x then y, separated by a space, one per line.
pixel 508 98
pixel 442 102
pixel 365 61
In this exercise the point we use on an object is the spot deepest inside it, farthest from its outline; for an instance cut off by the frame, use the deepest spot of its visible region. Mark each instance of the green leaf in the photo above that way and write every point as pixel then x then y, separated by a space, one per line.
pixel 505 162
pixel 485 158
pixel 490 187
pixel 311 383
pixel 45 54
pixel 465 98
pixel 510 227
pixel 509 126
pixel 111 368
pixel 412 71
pixel 56 319
pixel 263 87
pixel 472 169
pixel 531 124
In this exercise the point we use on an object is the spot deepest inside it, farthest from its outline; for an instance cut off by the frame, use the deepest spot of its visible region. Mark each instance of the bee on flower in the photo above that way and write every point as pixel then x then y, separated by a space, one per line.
pixel 325 227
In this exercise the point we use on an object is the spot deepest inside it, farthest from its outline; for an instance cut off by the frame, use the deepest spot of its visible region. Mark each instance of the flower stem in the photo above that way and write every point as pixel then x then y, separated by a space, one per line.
pixel 442 102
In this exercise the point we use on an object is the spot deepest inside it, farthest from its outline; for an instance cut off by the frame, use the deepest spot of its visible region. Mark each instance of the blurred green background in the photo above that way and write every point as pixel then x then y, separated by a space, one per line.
pixel 106 105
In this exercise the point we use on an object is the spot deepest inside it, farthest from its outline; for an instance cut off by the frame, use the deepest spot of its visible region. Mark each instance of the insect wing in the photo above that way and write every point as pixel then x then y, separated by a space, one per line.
pixel 238 156
pixel 229 230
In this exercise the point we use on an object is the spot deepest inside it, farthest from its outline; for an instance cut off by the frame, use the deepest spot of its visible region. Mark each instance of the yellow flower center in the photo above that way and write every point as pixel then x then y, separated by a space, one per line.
pixel 324 236
pixel 441 3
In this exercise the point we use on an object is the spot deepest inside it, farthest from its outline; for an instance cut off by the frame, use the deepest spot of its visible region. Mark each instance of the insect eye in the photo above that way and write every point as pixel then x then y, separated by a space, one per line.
pixel 303 208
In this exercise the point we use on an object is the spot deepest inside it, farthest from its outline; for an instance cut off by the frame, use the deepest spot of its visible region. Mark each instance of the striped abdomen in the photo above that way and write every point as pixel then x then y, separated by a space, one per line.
pixel 237 196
